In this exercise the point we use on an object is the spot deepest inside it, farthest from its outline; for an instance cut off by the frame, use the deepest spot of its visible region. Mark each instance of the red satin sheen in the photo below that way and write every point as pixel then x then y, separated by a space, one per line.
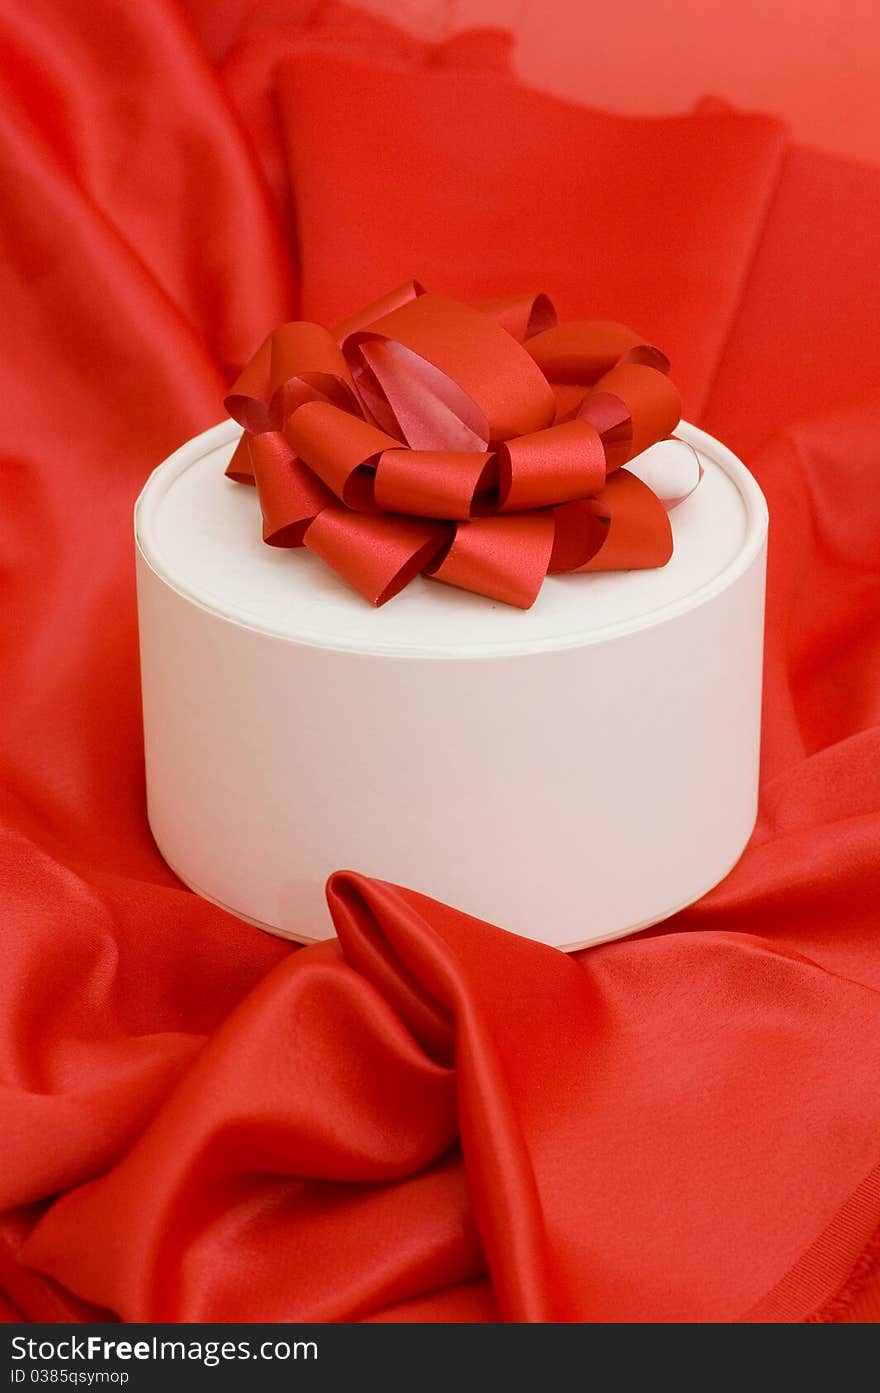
pixel 430 1120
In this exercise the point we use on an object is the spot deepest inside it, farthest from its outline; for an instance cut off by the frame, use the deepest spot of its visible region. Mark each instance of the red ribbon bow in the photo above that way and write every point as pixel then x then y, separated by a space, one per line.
pixel 477 446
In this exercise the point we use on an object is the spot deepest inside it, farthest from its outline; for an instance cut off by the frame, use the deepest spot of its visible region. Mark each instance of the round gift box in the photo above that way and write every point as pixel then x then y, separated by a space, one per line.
pixel 573 773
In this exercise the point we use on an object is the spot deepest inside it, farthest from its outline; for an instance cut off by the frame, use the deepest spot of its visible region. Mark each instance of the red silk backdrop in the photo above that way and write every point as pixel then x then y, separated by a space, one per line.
pixel 815 63
pixel 426 1119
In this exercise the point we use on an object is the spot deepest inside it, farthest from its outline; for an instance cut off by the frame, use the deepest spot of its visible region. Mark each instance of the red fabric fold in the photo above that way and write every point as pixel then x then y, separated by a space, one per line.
pixel 429 1119
pixel 575 1176
pixel 566 186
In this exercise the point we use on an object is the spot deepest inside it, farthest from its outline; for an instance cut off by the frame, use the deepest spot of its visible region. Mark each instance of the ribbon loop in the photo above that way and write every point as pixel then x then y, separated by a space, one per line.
pixel 392 300
pixel 340 449
pixel 375 553
pixel 523 316
pixel 581 352
pixel 434 483
pixel 650 399
pixel 307 364
pixel 298 362
pixel 248 399
pixel 639 536
pixel 504 558
pixel 290 495
pixel 239 467
pixel 551 466
pixel 475 360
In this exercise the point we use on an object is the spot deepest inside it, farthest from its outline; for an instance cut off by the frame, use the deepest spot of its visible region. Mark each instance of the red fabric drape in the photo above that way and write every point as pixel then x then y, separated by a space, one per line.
pixel 428 1120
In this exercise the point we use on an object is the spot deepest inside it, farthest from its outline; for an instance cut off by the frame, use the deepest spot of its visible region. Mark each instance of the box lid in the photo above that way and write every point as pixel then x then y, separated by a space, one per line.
pixel 201 533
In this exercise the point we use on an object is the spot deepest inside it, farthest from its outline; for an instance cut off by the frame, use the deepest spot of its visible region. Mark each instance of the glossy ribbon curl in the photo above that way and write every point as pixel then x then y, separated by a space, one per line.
pixel 479 446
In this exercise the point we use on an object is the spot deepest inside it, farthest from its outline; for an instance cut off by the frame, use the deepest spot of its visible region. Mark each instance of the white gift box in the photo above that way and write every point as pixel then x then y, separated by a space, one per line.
pixel 573 773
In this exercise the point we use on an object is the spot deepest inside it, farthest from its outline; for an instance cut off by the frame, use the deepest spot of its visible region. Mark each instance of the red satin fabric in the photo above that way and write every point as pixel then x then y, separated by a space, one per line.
pixel 427 1120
